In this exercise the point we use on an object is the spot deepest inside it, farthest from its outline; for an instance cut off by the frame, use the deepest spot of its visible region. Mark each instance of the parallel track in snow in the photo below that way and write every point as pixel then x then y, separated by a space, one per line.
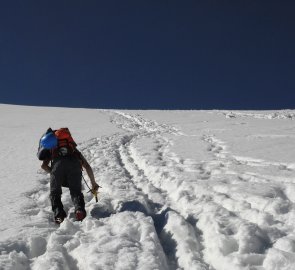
pixel 233 216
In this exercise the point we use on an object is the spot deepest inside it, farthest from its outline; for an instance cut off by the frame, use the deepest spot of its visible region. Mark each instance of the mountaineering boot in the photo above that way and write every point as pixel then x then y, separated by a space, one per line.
pixel 80 215
pixel 59 216
pixel 57 208
pixel 79 203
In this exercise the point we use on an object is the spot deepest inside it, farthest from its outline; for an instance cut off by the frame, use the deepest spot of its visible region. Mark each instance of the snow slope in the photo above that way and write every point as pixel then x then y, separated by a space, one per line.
pixel 180 190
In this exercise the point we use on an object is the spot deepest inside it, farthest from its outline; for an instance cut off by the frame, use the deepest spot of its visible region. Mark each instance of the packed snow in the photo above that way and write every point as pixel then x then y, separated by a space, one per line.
pixel 194 190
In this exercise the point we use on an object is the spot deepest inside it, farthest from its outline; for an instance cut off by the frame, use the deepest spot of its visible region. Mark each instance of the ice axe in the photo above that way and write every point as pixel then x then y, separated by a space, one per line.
pixel 93 191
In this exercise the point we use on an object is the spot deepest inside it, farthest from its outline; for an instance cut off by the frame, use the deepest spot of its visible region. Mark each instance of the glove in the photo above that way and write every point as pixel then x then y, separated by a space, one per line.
pixel 95 187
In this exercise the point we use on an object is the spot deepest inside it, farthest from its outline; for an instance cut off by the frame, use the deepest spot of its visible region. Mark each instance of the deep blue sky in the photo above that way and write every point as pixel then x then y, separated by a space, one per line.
pixel 148 54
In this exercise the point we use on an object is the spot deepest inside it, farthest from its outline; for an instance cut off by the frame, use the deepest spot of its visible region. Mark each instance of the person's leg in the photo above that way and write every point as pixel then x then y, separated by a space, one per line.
pixel 74 179
pixel 56 177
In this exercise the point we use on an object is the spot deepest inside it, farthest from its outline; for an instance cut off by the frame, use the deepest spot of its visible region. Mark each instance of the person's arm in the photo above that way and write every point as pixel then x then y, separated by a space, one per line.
pixel 90 173
pixel 45 166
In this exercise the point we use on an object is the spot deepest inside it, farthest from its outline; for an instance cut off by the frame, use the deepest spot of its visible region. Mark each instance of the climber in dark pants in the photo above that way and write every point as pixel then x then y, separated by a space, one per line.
pixel 59 148
pixel 66 171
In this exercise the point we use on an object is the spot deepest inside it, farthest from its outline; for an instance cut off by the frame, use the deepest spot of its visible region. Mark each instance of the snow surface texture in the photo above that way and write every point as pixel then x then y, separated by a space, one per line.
pixel 199 190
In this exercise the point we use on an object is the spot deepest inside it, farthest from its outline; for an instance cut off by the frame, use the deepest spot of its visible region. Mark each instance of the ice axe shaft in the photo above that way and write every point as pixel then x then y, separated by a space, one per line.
pixel 94 192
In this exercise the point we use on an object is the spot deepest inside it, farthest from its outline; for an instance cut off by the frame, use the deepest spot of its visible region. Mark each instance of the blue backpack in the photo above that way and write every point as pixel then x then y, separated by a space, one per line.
pixel 46 143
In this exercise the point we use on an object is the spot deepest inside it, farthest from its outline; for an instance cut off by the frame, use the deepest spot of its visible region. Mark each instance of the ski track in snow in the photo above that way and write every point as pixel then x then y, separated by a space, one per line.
pixel 159 211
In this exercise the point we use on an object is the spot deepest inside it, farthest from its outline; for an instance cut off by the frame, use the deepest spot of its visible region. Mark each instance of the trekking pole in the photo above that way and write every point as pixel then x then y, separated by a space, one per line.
pixel 94 192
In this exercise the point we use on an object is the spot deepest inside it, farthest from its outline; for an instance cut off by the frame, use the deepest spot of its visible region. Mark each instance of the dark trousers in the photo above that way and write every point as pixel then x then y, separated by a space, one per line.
pixel 66 172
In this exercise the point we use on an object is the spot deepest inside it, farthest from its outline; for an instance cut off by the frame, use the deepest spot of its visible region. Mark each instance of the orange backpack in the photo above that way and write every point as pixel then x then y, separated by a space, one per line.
pixel 66 143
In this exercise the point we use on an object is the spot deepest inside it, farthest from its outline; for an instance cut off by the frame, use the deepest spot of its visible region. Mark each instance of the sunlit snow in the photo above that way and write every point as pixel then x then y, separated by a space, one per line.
pixel 194 190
